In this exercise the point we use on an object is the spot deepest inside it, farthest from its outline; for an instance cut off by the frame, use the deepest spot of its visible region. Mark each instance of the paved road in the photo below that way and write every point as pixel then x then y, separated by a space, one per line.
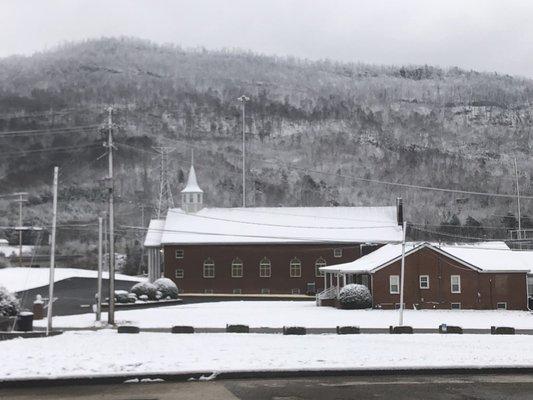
pixel 450 387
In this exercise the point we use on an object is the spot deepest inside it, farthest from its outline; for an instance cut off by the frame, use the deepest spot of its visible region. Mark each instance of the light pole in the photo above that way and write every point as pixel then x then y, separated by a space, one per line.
pixel 243 99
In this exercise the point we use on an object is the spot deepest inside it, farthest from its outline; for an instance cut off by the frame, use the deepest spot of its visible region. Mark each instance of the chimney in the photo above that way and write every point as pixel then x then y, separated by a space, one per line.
pixel 399 210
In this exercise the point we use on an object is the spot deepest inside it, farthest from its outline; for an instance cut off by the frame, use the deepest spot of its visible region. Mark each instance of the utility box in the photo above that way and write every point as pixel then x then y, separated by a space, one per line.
pixel 25 321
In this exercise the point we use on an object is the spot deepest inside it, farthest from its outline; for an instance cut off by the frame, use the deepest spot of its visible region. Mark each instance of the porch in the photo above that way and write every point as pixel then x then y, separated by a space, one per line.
pixel 335 280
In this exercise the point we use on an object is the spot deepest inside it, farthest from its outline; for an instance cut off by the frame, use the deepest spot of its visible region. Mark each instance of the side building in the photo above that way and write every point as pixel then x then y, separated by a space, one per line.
pixel 468 276
pixel 261 250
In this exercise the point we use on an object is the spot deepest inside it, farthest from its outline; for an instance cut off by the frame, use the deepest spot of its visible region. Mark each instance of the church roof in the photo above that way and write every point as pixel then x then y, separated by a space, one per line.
pixel 192 183
pixel 281 225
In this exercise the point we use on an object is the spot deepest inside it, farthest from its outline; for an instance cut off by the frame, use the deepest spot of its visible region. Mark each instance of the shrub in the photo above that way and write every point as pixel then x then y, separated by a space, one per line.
pixel 145 288
pixel 167 288
pixel 132 297
pixel 9 304
pixel 121 296
pixel 143 297
pixel 354 296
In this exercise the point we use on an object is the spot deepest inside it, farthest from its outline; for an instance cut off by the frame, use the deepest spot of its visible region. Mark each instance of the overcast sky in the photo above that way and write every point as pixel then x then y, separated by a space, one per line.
pixel 486 35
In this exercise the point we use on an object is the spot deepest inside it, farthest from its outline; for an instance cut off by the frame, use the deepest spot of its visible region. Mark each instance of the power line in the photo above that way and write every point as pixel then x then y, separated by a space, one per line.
pixel 55 131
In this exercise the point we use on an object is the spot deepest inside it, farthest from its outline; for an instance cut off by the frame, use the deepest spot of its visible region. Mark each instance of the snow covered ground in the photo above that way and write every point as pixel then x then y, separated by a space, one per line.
pixel 277 314
pixel 106 353
pixel 17 279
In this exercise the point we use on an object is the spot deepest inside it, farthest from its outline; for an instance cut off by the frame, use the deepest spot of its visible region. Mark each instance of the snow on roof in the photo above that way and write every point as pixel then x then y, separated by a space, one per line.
pixel 281 225
pixel 486 256
pixel 16 279
pixel 192 183
pixel 154 233
pixel 3 242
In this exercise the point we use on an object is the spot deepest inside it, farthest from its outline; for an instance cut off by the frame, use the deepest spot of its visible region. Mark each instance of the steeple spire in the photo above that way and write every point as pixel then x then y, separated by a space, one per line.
pixel 192 196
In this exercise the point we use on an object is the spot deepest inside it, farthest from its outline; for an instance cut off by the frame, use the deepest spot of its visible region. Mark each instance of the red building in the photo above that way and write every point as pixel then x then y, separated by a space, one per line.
pixel 265 250
pixel 488 276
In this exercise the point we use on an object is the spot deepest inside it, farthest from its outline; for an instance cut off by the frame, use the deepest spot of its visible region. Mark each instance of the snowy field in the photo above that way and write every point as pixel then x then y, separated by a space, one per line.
pixel 18 279
pixel 105 352
pixel 276 314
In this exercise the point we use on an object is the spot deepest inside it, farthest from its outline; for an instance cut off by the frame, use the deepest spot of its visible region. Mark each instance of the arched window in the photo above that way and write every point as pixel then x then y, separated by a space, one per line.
pixel 319 263
pixel 209 268
pixel 295 268
pixel 236 268
pixel 265 268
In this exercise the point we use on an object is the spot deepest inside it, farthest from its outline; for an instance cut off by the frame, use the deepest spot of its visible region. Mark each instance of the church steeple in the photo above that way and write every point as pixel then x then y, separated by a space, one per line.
pixel 192 197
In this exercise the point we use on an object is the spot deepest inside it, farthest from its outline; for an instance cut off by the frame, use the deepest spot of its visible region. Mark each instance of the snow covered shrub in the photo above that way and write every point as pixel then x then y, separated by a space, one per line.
pixel 132 297
pixel 121 296
pixel 167 288
pixel 158 295
pixel 9 304
pixel 143 297
pixel 144 288
pixel 354 296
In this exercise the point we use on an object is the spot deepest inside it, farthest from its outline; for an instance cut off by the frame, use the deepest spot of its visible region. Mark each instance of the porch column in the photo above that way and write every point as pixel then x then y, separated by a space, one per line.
pixel 344 279
pixel 325 280
pixel 338 283
pixel 331 279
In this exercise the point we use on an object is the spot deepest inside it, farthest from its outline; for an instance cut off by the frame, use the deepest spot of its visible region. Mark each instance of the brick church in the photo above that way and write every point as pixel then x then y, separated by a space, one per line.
pixel 261 250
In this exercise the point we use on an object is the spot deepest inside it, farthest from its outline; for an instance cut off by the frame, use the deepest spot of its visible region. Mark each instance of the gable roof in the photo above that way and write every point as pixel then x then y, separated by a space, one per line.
pixel 480 257
pixel 280 225
pixel 154 233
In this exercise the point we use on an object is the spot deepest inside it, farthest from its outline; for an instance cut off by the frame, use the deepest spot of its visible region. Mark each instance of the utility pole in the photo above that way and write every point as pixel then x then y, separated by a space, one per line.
pixel 52 255
pixel 518 204
pixel 99 299
pixel 20 200
pixel 243 99
pixel 111 311
pixel 402 275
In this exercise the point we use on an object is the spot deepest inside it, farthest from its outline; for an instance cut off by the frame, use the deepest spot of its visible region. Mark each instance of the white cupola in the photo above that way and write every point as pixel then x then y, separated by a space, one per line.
pixel 192 197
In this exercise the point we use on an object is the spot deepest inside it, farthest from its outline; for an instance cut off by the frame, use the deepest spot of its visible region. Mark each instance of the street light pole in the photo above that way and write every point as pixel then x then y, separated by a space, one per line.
pixel 402 275
pixel 243 99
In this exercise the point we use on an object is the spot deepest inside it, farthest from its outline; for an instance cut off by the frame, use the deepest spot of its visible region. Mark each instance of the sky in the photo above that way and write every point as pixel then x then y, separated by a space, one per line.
pixel 485 35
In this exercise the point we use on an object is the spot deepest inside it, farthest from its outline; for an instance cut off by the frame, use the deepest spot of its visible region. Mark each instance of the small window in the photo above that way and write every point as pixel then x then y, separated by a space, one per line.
pixel 455 281
pixel 295 268
pixel 501 305
pixel 424 281
pixel 180 273
pixel 265 268
pixel 397 306
pixel 209 268
pixel 237 291
pixel 208 291
pixel 265 291
pixel 236 268
pixel 394 284
pixel 456 306
pixel 295 291
pixel 319 264
pixel 311 287
pixel 179 254
pixel 337 253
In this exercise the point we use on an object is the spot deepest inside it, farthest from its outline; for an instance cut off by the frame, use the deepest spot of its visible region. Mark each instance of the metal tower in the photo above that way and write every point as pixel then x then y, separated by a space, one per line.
pixel 166 200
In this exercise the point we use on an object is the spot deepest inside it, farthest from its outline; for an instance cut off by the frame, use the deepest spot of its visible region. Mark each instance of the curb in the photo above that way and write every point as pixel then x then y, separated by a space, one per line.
pixel 266 374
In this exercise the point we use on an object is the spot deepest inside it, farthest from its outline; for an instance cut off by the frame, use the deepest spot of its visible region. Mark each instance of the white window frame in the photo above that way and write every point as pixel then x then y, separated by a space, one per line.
pixel 209 263
pixel 397 284
pixel 237 268
pixel 180 254
pixel 420 281
pixel 181 273
pixel 237 291
pixel 337 252
pixel 265 291
pixel 501 308
pixel 295 268
pixel 458 283
pixel 265 265
pixel 319 263
pixel 295 291
pixel 455 308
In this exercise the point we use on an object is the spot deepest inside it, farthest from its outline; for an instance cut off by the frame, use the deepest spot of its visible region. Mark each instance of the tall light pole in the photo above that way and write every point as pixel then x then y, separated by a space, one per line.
pixel 111 308
pixel 243 99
